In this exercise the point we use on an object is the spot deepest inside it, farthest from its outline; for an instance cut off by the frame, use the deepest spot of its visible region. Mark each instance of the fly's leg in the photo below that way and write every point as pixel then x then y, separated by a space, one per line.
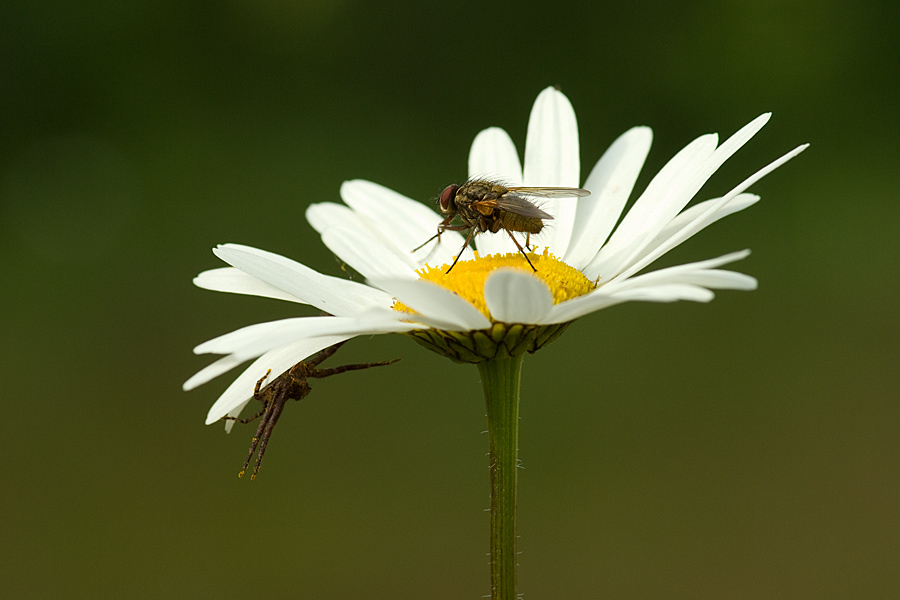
pixel 441 228
pixel 444 226
pixel 516 242
pixel 463 249
pixel 435 236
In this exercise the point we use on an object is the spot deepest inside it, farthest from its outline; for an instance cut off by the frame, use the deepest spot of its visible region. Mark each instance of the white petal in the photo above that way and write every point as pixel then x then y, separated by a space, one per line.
pixel 600 298
pixel 668 292
pixel 232 342
pixel 610 184
pixel 713 279
pixel 686 217
pixel 367 255
pixel 255 340
pixel 686 273
pixel 657 214
pixel 211 371
pixel 404 222
pixel 280 360
pixel 552 159
pixel 322 216
pixel 709 215
pixel 580 306
pixel 235 281
pixel 330 294
pixel 652 210
pixel 513 296
pixel 415 321
pixel 493 156
pixel 327 215
pixel 716 279
pixel 437 303
pixel 708 278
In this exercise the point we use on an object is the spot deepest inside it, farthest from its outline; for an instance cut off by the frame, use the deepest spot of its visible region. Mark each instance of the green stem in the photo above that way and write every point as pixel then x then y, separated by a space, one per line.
pixel 500 380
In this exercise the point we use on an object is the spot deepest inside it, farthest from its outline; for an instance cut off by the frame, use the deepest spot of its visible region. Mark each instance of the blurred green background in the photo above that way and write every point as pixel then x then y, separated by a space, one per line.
pixel 749 448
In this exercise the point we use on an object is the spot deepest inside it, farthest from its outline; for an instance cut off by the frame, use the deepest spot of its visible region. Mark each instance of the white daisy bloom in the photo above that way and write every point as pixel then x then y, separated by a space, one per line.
pixel 492 303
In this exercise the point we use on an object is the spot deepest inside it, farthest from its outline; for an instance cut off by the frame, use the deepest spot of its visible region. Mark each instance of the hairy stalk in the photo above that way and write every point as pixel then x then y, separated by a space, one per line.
pixel 500 380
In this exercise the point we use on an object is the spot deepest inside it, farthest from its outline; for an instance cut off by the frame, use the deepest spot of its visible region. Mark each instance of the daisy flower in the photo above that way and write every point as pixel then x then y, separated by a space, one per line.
pixel 491 304
pixel 495 305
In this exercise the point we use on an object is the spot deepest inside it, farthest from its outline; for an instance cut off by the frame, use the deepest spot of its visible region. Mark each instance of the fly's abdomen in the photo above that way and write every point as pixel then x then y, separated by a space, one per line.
pixel 515 222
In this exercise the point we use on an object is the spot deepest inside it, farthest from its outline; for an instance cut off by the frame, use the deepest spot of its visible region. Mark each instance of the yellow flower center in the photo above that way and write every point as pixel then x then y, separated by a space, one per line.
pixel 468 276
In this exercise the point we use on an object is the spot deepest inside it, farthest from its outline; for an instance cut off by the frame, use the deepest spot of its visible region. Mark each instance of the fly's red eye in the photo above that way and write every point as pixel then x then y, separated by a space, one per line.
pixel 447 195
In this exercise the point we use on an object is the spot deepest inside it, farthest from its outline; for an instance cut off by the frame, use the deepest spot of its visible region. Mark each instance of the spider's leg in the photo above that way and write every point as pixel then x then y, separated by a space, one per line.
pixel 277 407
pixel 258 384
pixel 255 395
pixel 319 373
pixel 244 421
pixel 260 431
pixel 320 356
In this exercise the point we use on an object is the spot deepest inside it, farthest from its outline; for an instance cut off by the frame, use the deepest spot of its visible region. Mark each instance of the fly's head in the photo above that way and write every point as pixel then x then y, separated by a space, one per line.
pixel 448 200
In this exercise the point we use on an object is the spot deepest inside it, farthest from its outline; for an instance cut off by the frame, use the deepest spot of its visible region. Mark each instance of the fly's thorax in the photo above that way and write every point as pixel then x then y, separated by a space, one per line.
pixel 470 215
pixel 480 190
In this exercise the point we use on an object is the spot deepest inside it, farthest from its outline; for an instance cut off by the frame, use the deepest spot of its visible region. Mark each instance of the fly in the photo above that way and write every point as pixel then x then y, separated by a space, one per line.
pixel 487 206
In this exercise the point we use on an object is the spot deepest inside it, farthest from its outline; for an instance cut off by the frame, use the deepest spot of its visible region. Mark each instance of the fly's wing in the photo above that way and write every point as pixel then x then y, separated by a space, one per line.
pixel 516 202
pixel 551 192
pixel 517 205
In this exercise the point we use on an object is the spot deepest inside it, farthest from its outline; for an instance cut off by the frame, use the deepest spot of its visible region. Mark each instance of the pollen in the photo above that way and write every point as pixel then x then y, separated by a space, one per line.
pixel 468 276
